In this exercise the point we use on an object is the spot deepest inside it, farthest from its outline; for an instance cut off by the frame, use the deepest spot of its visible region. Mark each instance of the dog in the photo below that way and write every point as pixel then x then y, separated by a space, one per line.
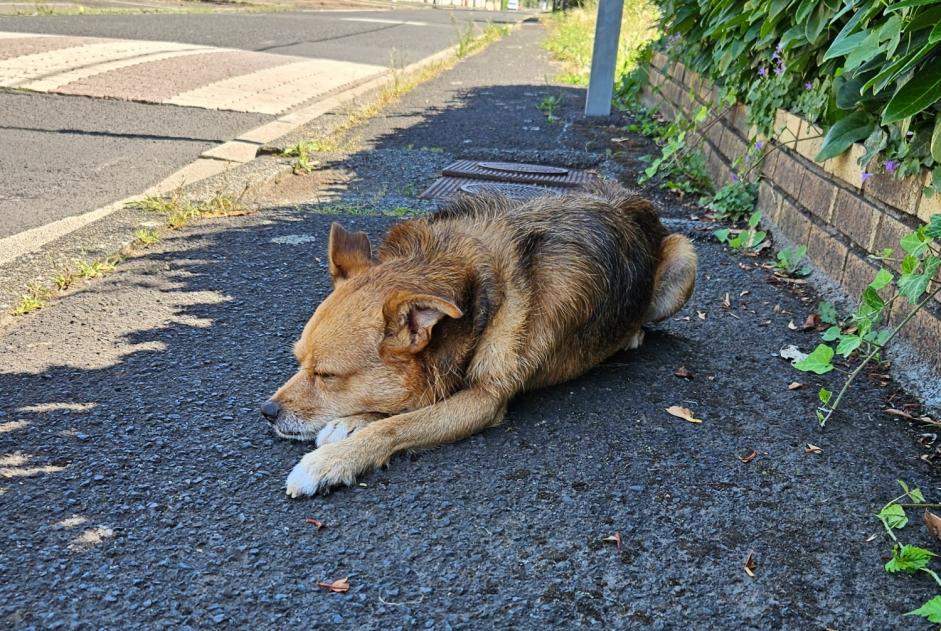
pixel 426 342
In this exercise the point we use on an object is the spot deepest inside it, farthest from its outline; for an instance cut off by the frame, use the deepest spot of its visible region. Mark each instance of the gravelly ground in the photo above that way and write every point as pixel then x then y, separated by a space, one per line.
pixel 141 490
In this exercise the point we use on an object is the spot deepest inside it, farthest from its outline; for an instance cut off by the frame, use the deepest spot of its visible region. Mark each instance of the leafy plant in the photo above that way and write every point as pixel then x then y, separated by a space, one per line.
pixel 792 261
pixel 865 71
pixel 734 201
pixel 680 167
pixel 34 299
pixel 750 240
pixel 907 558
pixel 865 332
pixel 146 236
pixel 548 106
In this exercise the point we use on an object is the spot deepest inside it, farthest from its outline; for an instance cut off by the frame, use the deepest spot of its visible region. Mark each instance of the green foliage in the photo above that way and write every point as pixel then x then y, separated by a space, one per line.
pixel 909 559
pixel 930 610
pixel 866 71
pixel 548 106
pixel 865 331
pixel 751 240
pixel 679 167
pixel 571 36
pixel 792 261
pixel 734 201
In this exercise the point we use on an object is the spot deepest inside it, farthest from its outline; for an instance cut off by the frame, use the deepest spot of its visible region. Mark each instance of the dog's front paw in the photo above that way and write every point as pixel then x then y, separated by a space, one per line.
pixel 321 469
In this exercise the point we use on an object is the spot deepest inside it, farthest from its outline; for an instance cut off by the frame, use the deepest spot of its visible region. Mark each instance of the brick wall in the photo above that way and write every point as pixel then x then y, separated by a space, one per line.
pixel 826 207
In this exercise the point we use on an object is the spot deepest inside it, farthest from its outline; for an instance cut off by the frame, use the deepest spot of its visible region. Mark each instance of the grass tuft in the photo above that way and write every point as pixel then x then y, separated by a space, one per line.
pixel 33 300
pixel 571 36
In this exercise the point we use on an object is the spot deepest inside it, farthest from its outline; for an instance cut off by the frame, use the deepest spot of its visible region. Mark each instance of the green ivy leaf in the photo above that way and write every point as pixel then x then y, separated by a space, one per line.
pixel 893 516
pixel 882 279
pixel 818 361
pixel 915 243
pixel 934 226
pixel 913 286
pixel 922 91
pixel 831 334
pixel 754 219
pixel 722 235
pixel 917 496
pixel 848 344
pixel 824 395
pixel 930 610
pixel 844 133
pixel 908 558
pixel 936 134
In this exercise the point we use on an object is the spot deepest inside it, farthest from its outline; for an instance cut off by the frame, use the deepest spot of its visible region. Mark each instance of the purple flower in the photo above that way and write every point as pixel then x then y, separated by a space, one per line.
pixel 808 86
pixel 759 145
pixel 733 178
pixel 779 70
pixel 747 158
pixel 890 166
pixel 762 72
pixel 866 175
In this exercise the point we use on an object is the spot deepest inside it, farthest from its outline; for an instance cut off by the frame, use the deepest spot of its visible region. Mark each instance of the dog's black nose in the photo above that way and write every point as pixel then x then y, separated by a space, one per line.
pixel 270 410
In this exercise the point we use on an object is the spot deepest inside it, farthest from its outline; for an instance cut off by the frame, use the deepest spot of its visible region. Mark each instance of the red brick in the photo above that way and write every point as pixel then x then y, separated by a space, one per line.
pixel 817 195
pixel 793 223
pixel 855 218
pixel 826 251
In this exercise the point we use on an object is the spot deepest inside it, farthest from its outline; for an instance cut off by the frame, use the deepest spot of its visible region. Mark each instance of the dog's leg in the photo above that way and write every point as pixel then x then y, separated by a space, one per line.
pixel 457 417
pixel 674 279
pixel 338 429
pixel 635 340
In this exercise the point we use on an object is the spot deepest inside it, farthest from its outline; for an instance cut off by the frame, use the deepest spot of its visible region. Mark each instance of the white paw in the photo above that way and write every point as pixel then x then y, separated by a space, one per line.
pixel 332 432
pixel 304 478
pixel 325 467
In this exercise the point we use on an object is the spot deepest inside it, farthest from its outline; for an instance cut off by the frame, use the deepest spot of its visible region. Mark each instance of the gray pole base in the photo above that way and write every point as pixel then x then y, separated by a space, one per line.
pixel 604 58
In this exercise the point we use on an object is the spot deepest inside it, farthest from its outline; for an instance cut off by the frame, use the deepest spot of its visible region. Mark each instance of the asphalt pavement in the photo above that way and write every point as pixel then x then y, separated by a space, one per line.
pixel 65 155
pixel 141 489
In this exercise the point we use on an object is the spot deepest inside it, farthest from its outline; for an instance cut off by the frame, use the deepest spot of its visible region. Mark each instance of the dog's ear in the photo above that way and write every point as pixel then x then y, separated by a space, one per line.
pixel 349 253
pixel 410 318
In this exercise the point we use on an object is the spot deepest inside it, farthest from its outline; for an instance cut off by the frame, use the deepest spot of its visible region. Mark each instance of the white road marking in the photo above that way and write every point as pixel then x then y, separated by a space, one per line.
pixel 382 21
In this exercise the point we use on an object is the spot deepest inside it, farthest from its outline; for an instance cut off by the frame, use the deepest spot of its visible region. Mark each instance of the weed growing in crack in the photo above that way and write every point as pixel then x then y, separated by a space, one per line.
pixel 548 105
pixel 94 269
pixel 733 202
pixel 178 210
pixel 749 241
pixel 146 236
pixel 865 333
pixel 792 262
pixel 33 300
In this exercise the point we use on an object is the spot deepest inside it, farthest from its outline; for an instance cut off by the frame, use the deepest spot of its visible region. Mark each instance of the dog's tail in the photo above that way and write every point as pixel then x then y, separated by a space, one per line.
pixel 674 278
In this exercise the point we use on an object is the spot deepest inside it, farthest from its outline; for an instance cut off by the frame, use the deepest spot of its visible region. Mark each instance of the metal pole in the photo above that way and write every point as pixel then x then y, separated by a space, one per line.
pixel 604 58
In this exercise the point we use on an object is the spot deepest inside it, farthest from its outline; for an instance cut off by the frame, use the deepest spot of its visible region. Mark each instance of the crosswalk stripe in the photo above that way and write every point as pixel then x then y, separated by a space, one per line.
pixel 49 70
pixel 277 89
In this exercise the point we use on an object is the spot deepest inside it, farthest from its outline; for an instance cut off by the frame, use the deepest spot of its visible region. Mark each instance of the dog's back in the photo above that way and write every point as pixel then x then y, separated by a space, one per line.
pixel 574 275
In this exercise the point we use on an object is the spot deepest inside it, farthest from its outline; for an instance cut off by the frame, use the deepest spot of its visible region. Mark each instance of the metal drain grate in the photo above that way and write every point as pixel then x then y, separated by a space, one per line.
pixel 519 172
pixel 518 180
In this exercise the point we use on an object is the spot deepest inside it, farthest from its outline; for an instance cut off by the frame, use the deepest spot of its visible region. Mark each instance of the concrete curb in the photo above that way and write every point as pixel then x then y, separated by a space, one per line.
pixel 215 161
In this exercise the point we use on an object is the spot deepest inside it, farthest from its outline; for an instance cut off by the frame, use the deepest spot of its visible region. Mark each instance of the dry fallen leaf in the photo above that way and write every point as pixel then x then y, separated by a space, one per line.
pixel 793 353
pixel 750 565
pixel 684 413
pixel 744 293
pixel 339 586
pixel 795 385
pixel 811 322
pixel 791 325
pixel 616 538
pixel 749 457
pixel 727 302
pixel 315 522
pixel 701 314
pixel 901 413
pixel 933 523
pixel 683 373
pixel 812 449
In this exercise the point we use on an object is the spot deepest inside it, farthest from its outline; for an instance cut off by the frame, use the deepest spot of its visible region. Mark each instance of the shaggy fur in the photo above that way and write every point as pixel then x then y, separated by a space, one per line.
pixel 427 342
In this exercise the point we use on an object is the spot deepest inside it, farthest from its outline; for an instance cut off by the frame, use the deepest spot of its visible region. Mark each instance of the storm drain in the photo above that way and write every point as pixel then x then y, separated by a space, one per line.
pixel 518 180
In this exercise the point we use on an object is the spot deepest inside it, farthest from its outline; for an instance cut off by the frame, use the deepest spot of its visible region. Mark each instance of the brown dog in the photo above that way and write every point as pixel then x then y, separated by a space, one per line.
pixel 427 342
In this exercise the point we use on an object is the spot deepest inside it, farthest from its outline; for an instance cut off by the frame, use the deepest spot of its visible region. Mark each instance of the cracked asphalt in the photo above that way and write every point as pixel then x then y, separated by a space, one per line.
pixel 139 488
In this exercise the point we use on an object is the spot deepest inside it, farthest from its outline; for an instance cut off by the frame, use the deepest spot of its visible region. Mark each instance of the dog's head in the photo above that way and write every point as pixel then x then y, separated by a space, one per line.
pixel 360 353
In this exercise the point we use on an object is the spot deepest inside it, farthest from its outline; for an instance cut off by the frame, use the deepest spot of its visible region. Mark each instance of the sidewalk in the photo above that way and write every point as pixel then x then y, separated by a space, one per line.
pixel 139 488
